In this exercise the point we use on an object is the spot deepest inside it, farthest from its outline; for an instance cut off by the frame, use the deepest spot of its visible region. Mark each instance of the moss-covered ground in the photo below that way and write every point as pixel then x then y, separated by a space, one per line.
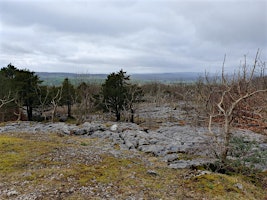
pixel 47 166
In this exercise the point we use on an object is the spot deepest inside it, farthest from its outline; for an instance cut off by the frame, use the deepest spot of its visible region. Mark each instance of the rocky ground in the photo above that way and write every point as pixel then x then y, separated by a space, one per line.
pixel 181 146
pixel 108 160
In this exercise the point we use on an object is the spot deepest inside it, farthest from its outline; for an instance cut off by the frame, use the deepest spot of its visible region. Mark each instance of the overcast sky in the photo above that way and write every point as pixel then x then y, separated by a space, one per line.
pixel 139 36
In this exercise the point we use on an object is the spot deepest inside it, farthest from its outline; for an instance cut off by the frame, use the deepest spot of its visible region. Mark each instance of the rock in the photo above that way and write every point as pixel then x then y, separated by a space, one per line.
pixel 239 186
pixel 65 130
pixel 143 141
pixel 114 127
pixel 116 138
pixel 263 147
pixel 182 164
pixel 175 149
pixel 152 172
pixel 129 134
pixel 86 124
pixel 103 135
pixel 80 132
pixel 153 141
pixel 12 193
pixel 201 173
pixel 165 142
pixel 88 129
pixel 92 127
pixel 129 145
pixel 145 129
pixel 170 157
pixel 157 150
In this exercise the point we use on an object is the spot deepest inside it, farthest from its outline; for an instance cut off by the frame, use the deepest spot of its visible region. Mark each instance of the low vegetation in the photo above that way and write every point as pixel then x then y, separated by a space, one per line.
pixel 52 167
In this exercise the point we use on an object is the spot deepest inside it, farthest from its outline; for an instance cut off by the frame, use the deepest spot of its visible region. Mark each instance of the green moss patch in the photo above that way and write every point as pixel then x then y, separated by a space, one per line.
pixel 220 186
pixel 18 153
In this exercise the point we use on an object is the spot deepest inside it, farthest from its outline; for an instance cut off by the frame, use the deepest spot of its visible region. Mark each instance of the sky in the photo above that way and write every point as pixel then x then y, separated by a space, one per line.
pixel 138 36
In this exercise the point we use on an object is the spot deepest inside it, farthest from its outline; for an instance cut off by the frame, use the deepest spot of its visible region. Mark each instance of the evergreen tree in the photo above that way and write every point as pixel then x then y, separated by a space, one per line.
pixel 23 85
pixel 68 93
pixel 114 93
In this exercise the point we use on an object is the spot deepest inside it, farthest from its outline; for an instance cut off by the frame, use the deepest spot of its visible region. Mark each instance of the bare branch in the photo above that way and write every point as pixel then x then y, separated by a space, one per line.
pixel 224 102
pixel 223 78
pixel 6 99
pixel 254 66
pixel 55 101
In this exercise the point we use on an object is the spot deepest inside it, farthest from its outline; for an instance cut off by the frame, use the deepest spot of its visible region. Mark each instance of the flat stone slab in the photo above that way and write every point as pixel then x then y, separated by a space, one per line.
pixel 166 142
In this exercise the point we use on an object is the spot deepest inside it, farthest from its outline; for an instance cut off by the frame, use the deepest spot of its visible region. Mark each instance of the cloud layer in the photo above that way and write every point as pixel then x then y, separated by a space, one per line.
pixel 139 36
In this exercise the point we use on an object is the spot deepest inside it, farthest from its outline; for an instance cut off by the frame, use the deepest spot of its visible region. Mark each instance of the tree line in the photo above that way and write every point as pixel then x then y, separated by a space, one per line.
pixel 22 92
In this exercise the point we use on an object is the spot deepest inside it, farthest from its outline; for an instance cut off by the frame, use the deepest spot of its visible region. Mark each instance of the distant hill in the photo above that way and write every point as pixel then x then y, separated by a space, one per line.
pixel 51 78
pixel 56 78
pixel 168 77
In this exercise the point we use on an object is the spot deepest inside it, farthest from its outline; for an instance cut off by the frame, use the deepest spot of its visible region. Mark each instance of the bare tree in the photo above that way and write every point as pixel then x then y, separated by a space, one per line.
pixel 154 93
pixel 228 98
pixel 84 101
pixel 4 100
pixel 55 101
pixel 19 102
pixel 134 96
pixel 42 98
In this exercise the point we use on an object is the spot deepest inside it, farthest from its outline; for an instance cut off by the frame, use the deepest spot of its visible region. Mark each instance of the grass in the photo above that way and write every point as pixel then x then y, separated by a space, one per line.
pixel 72 167
pixel 16 153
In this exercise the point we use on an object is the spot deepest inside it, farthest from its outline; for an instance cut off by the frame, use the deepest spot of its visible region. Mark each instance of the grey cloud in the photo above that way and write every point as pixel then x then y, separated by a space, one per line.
pixel 232 21
pixel 14 48
pixel 150 36
pixel 74 18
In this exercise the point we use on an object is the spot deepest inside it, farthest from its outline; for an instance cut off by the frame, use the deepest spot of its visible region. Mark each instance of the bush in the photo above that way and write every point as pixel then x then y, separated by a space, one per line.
pixel 245 157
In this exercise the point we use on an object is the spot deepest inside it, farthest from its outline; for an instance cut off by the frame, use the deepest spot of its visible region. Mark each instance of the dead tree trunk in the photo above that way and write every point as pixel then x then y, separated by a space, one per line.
pixel 55 101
